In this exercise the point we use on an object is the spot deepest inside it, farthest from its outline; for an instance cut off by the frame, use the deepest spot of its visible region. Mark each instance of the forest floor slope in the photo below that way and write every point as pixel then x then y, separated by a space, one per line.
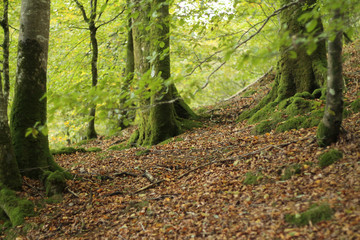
pixel 199 189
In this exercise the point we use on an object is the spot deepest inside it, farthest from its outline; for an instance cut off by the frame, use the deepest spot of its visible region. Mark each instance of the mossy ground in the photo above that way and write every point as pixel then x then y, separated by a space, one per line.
pixel 253 178
pixel 314 214
pixel 300 111
pixel 329 157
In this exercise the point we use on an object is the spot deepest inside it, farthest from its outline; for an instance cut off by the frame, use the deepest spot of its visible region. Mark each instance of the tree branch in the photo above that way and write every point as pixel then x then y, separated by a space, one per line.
pixel 82 9
pixel 240 43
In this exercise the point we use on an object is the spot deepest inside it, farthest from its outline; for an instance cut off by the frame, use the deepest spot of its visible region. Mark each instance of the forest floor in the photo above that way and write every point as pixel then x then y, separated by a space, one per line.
pixel 198 191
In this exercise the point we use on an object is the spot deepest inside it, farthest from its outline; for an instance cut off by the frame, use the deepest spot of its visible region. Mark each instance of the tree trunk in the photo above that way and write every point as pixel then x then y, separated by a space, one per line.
pixel 9 171
pixel 29 106
pixel 158 119
pixel 6 48
pixel 91 133
pixel 129 76
pixel 329 128
pixel 303 73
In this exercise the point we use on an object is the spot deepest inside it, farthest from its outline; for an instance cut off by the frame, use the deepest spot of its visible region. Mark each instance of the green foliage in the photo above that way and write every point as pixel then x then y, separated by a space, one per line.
pixel 253 178
pixel 314 214
pixel 329 157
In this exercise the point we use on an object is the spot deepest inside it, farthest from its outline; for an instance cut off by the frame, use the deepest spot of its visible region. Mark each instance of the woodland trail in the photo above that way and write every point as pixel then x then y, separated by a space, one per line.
pixel 198 190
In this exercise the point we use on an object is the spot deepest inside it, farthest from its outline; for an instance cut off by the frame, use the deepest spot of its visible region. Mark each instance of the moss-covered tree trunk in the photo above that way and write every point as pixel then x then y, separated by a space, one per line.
pixel 158 117
pixel 29 105
pixel 125 114
pixel 6 50
pixel 329 128
pixel 9 171
pixel 297 71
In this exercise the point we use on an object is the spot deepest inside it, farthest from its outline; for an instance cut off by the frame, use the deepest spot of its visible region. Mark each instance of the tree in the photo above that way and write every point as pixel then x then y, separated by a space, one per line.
pixel 329 128
pixel 301 68
pixel 129 75
pixel 161 112
pixel 94 16
pixel 29 105
pixel 9 171
pixel 91 133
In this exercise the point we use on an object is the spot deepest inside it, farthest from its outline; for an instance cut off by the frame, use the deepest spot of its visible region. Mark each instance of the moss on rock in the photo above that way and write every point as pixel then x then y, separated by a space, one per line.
pixel 329 157
pixel 314 214
pixel 55 182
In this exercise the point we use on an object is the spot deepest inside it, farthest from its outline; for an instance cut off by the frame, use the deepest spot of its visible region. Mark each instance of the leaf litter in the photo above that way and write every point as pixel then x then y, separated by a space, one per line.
pixel 197 188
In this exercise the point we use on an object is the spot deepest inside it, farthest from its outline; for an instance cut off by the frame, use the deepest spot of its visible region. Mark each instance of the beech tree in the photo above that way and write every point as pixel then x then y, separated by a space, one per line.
pixel 160 115
pixel 329 128
pixel 298 70
pixel 29 104
pixel 129 76
pixel 9 171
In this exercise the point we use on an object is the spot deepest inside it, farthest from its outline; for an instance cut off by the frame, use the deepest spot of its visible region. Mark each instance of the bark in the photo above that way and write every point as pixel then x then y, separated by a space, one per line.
pixel 305 73
pixel 9 171
pixel 6 48
pixel 29 106
pixel 129 76
pixel 91 133
pixel 329 128
pixel 158 117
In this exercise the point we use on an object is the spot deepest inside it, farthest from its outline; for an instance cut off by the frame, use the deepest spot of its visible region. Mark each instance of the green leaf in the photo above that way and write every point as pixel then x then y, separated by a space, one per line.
pixel 310 26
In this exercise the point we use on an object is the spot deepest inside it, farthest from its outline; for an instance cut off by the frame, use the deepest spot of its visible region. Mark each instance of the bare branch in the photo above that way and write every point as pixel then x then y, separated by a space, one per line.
pixel 113 19
pixel 82 9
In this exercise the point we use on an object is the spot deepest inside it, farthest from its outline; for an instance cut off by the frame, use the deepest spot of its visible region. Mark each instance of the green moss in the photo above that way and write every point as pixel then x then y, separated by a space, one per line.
pixel 119 147
pixel 94 149
pixel 264 127
pixel 292 123
pixel 305 95
pixel 55 182
pixel 142 152
pixel 285 103
pixel 329 157
pixel 317 93
pixel 263 113
pixel 15 208
pixel 291 171
pixel 314 214
pixel 298 106
pixel 188 124
pixel 253 178
pixel 67 150
pixel 355 105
